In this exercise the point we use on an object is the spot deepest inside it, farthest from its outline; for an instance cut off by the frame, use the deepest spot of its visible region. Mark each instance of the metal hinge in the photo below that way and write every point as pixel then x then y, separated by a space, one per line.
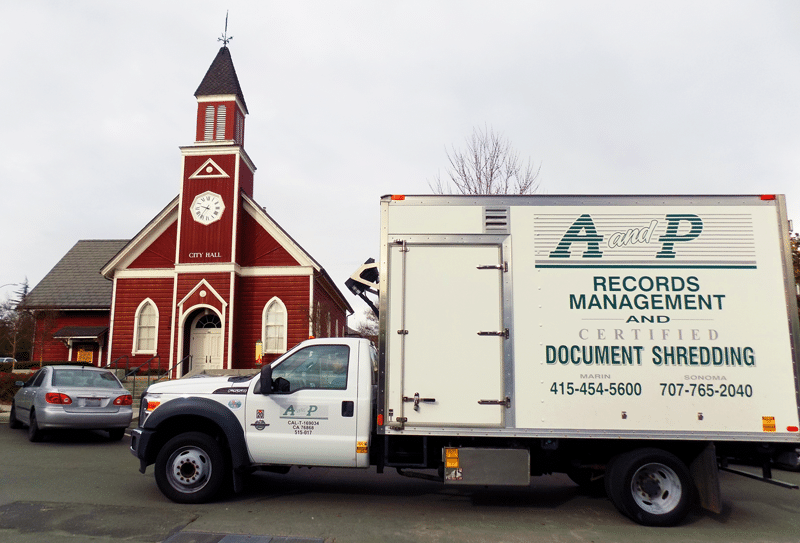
pixel 403 332
pixel 506 402
pixel 504 333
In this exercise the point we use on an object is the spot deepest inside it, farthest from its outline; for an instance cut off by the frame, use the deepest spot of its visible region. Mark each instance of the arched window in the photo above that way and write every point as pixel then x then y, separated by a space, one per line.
pixel 274 325
pixel 208 321
pixel 145 328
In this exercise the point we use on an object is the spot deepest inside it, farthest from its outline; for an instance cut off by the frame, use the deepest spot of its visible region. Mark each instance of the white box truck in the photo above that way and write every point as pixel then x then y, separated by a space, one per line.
pixel 635 343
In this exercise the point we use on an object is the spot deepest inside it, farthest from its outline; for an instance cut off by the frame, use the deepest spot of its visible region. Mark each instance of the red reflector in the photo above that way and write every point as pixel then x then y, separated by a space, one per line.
pixel 56 398
pixel 398 197
pixel 792 429
pixel 380 419
pixel 125 399
pixel 767 196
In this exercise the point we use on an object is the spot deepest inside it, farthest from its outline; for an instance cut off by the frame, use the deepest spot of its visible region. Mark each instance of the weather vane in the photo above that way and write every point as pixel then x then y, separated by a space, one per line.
pixel 225 39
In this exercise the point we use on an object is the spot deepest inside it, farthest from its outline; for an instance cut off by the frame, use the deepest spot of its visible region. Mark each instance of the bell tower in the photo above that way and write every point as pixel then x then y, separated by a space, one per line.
pixel 216 169
pixel 220 104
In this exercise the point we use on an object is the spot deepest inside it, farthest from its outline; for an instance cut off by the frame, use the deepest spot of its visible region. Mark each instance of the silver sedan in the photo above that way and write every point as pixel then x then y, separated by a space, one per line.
pixel 77 397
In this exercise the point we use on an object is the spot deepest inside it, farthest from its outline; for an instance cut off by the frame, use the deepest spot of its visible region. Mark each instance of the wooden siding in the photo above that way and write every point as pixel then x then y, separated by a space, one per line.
pixel 252 295
pixel 129 295
pixel 161 253
pixel 48 349
pixel 245 178
pixel 331 313
pixel 257 248
pixel 207 243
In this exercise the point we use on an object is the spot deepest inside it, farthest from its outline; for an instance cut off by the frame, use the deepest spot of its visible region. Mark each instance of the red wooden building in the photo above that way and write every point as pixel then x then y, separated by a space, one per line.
pixel 212 280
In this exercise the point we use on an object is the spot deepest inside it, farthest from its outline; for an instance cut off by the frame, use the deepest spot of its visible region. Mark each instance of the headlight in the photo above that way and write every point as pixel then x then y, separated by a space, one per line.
pixel 148 405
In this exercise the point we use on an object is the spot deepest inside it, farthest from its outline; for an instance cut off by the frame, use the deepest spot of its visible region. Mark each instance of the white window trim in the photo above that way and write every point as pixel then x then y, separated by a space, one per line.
pixel 134 349
pixel 284 340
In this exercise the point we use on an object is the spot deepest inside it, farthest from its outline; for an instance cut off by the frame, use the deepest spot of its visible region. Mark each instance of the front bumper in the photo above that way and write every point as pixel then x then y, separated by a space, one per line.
pixel 140 439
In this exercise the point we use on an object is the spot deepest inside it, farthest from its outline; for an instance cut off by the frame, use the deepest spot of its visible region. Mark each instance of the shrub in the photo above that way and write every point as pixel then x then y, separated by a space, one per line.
pixel 7 386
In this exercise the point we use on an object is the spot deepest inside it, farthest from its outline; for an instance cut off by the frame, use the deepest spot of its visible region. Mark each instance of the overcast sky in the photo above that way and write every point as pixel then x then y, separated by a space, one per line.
pixel 349 101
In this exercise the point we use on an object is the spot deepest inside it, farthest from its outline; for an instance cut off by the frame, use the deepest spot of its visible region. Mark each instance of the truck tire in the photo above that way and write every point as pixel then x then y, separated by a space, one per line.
pixel 650 486
pixel 191 468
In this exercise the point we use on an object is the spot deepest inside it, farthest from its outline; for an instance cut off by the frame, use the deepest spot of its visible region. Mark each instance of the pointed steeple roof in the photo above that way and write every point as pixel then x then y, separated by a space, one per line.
pixel 221 78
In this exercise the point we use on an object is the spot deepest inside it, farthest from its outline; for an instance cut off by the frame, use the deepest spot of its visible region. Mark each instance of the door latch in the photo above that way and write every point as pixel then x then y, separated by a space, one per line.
pixel 416 399
pixel 503 333
pixel 506 402
pixel 502 267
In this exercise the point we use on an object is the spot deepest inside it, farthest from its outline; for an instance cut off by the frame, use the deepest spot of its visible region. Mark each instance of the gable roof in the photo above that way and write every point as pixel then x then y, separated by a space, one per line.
pixel 282 236
pixel 129 250
pixel 221 78
pixel 75 282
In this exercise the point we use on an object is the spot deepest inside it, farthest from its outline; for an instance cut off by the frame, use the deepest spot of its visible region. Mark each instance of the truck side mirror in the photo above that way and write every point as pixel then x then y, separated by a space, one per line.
pixel 265 380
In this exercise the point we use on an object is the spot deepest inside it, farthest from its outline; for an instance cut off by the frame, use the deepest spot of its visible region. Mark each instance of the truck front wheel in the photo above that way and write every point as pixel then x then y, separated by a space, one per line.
pixel 650 486
pixel 191 468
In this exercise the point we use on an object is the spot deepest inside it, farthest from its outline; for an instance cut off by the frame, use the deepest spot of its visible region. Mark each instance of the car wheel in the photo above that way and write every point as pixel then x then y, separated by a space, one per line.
pixel 12 420
pixel 34 433
pixel 115 434
pixel 651 486
pixel 191 468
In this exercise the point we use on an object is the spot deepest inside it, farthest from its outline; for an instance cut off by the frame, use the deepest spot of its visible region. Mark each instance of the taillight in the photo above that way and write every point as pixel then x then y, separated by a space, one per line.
pixel 57 398
pixel 125 399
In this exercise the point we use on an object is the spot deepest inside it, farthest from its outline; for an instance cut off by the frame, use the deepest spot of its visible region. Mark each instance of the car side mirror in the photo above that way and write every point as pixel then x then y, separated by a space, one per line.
pixel 266 380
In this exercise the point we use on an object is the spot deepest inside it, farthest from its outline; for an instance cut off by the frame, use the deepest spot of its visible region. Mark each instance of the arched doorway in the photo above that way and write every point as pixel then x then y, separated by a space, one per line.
pixel 205 340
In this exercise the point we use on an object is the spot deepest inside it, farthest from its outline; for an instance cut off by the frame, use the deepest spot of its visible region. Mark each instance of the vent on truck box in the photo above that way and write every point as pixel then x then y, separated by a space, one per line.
pixel 496 220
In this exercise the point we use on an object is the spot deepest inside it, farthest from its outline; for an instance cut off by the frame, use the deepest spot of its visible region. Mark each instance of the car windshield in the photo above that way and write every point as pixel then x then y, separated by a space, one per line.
pixel 83 378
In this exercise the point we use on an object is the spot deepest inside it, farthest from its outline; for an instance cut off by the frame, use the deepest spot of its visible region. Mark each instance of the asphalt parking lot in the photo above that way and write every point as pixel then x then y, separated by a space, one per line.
pixel 79 486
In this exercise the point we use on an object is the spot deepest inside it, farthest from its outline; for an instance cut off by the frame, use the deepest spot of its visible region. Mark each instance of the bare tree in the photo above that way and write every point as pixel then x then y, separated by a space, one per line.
pixel 488 165
pixel 368 328
pixel 16 324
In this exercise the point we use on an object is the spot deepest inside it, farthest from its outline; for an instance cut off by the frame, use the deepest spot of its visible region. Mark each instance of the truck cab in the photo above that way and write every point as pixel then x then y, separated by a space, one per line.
pixel 311 407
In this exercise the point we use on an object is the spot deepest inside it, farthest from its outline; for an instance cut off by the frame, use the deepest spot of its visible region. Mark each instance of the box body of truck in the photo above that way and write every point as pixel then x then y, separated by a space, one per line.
pixel 602 317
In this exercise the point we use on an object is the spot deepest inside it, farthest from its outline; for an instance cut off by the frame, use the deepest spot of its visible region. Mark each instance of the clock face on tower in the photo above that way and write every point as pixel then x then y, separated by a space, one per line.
pixel 207 207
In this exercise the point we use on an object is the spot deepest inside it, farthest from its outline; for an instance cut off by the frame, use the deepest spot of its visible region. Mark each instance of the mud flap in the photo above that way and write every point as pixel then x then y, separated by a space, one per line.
pixel 705 473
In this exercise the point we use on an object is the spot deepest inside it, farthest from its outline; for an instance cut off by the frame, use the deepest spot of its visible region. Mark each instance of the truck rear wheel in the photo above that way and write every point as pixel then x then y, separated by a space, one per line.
pixel 650 486
pixel 191 468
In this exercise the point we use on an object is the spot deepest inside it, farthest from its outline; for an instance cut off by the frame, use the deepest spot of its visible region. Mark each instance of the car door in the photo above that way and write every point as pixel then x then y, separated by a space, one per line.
pixel 310 418
pixel 29 392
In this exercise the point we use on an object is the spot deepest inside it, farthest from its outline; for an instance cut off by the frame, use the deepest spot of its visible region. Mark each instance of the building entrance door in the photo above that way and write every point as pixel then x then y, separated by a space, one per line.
pixel 205 345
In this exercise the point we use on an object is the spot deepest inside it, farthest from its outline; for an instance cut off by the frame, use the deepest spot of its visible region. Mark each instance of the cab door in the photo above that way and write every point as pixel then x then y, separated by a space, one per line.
pixel 310 418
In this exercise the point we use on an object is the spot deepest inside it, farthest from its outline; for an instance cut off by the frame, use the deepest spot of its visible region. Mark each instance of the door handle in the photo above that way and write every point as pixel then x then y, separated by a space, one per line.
pixel 348 408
